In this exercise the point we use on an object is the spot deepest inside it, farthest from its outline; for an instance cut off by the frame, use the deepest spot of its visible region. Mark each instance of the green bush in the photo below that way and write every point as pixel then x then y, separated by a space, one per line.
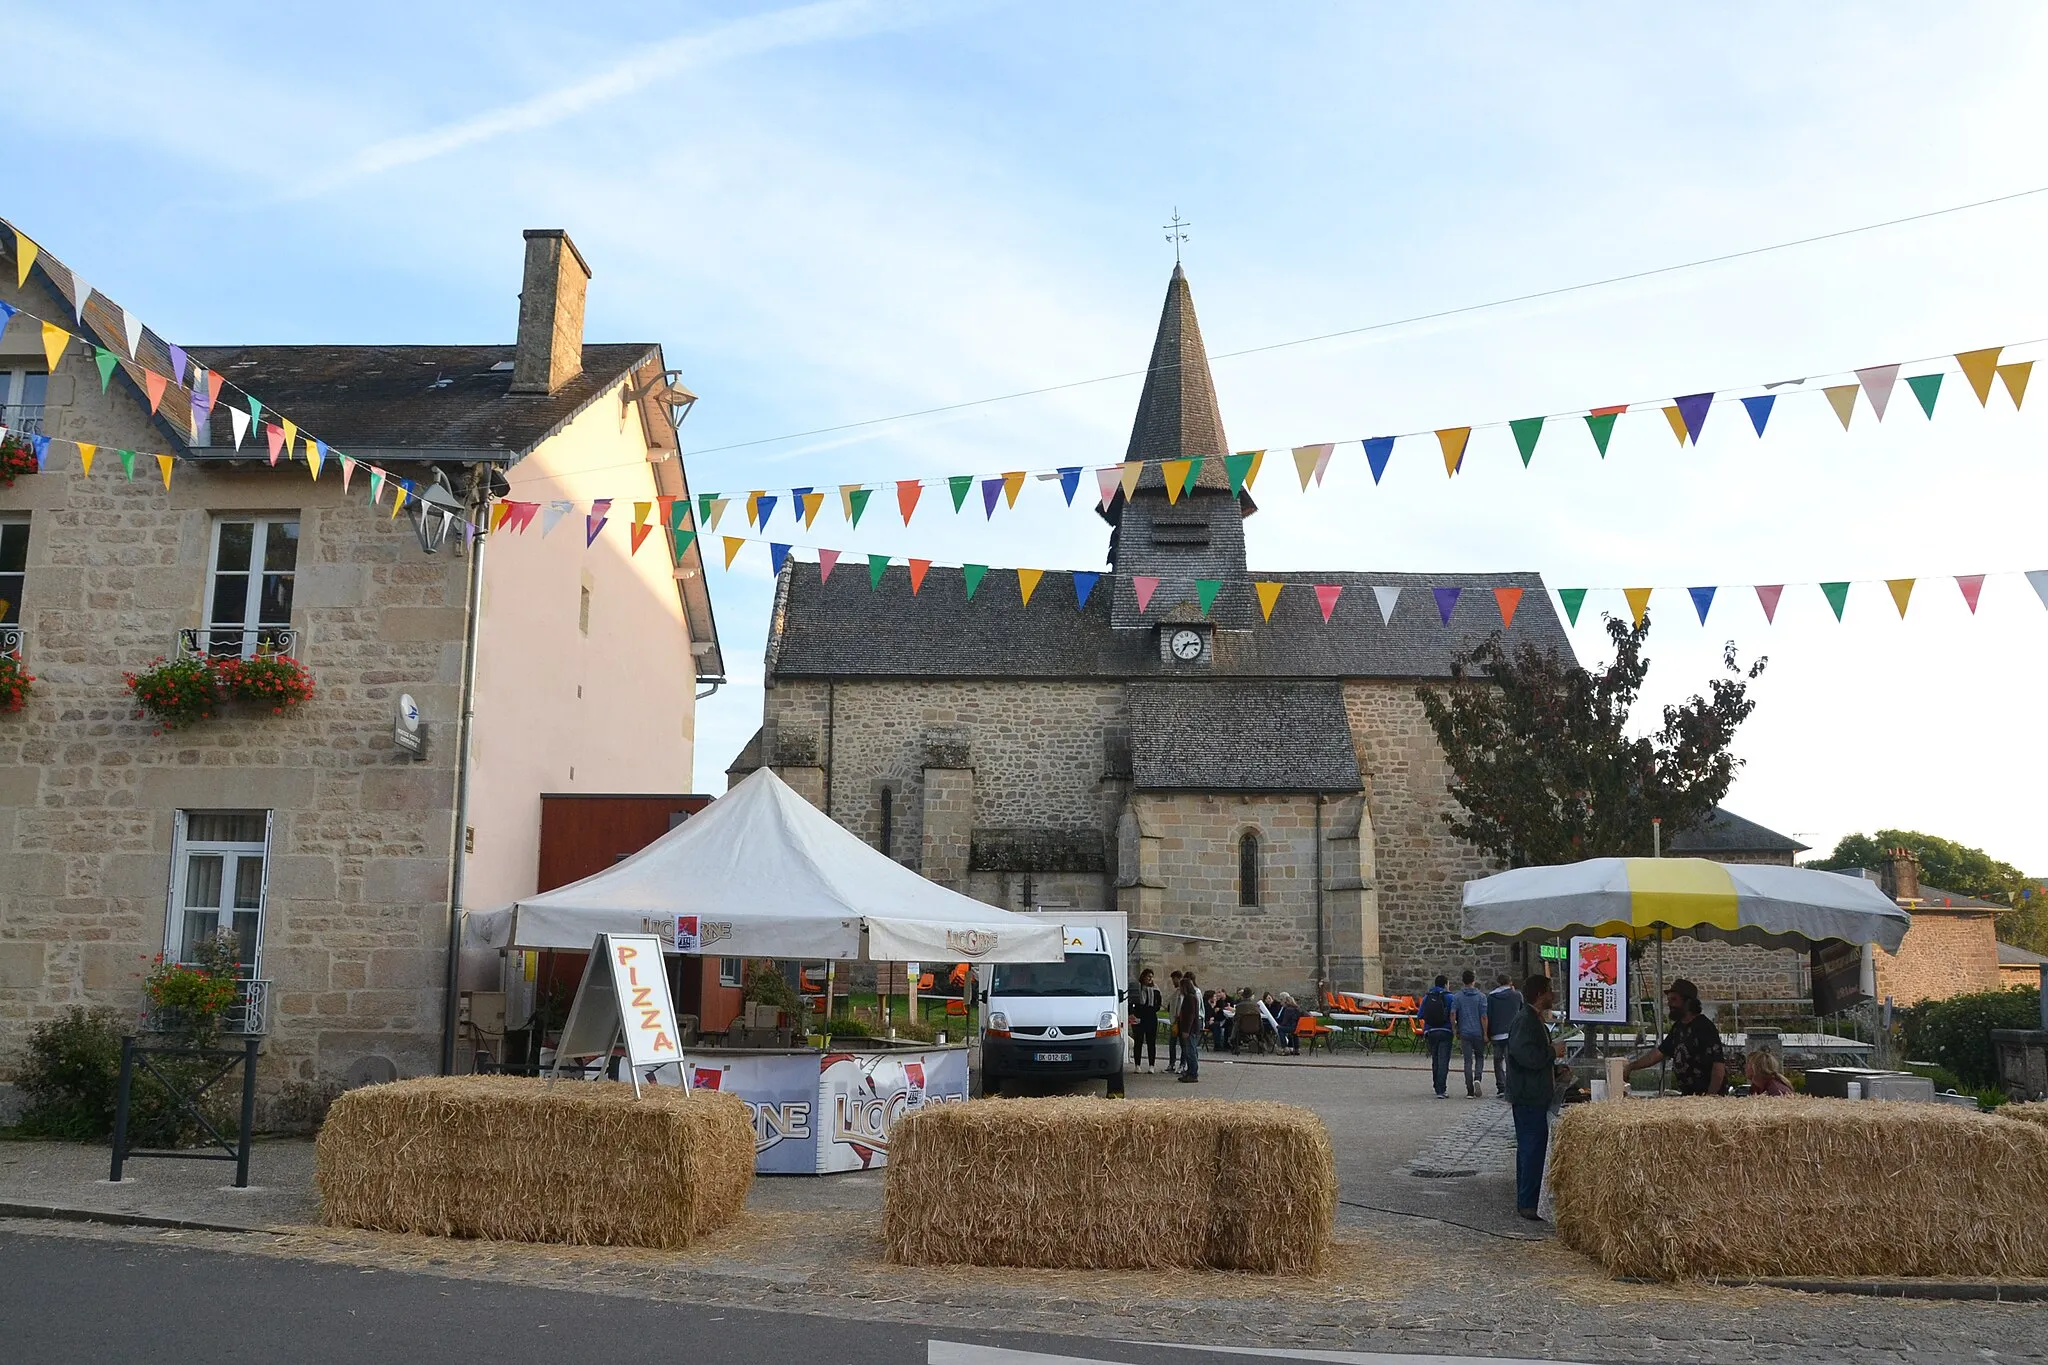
pixel 70 1076
pixel 1955 1034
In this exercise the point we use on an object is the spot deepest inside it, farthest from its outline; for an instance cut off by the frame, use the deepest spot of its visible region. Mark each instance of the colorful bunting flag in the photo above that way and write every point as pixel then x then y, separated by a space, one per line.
pixel 1926 388
pixel 291 435
pixel 813 503
pixel 1106 480
pixel 1027 583
pixel 1902 592
pixel 499 513
pixel 1446 602
pixel 163 464
pixel 765 505
pixel 1527 430
pixel 1205 592
pixel 1312 460
pixel 827 560
pixel 1972 584
pixel 85 454
pixel 348 469
pixel 971 575
pixel 128 465
pixel 1084 584
pixel 1842 398
pixel 1573 599
pixel 732 548
pixel 41 445
pixel 1129 483
pixel 24 257
pixel 718 506
pixel 1236 467
pixel 550 517
pixel 1693 409
pixel 274 435
pixel 1677 421
pixel 1638 602
pixel 179 363
pixel 959 485
pixel 991 489
pixel 7 312
pixel 1143 588
pixel 1175 472
pixel 55 339
pixel 1070 480
pixel 1187 484
pixel 1386 596
pixel 1269 593
pixel 239 422
pixel 918 569
pixel 1378 449
pixel 856 500
pixel 1326 598
pixel 106 360
pixel 131 328
pixel 2038 579
pixel 1013 483
pixel 1837 595
pixel 81 294
pixel 877 566
pixel 1600 421
pixel 1702 599
pixel 1509 600
pixel 1452 442
pixel 639 531
pixel 1877 382
pixel 907 492
pixel 316 455
pixel 2015 377
pixel 704 501
pixel 1760 410
pixel 1767 595
pixel 377 493
pixel 1978 367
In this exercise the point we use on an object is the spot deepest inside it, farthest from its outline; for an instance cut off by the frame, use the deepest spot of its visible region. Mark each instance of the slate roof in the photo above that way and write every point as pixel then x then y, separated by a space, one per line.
pixel 1241 736
pixel 1177 415
pixel 1723 831
pixel 2011 956
pixel 1934 898
pixel 843 629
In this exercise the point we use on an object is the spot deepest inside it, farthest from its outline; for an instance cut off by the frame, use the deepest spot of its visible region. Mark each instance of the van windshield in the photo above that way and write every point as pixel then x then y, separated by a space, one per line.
pixel 1081 974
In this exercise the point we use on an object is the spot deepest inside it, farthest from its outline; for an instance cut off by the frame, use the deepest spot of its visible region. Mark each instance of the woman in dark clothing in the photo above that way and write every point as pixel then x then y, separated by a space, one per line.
pixel 1145 1004
pixel 1216 1019
pixel 1531 1059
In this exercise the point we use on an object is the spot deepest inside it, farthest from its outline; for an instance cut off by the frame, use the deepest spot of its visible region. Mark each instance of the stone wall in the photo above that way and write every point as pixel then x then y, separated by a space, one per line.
pixel 1941 955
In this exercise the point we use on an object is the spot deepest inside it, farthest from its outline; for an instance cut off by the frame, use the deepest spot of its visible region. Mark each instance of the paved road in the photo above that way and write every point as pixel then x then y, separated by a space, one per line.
pixel 65 1300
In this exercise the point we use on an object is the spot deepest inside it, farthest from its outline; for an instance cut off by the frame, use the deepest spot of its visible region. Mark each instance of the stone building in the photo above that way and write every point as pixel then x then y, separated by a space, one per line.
pixel 1268 786
pixel 332 855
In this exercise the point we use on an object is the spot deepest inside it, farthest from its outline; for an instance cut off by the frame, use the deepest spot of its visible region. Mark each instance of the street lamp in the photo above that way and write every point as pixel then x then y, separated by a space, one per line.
pixel 435 509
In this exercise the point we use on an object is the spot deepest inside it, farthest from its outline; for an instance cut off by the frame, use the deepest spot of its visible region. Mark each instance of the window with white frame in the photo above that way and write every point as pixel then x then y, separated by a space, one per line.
pixel 249 594
pixel 729 971
pixel 13 580
pixel 22 394
pixel 218 870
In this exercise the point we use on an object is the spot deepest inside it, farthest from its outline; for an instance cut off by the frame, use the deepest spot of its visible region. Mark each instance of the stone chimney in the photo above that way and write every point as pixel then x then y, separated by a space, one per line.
pixel 1901 877
pixel 550 349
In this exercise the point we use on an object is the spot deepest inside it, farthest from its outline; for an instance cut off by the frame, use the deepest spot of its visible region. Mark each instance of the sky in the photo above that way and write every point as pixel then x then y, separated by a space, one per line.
pixel 842 211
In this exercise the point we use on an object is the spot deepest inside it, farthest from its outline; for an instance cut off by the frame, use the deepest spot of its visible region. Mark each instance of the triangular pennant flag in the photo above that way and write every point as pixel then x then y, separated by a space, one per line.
pixel 1693 407
pixel 1452 441
pixel 131 327
pixel 1013 482
pixel 1175 472
pixel 128 465
pixel 1527 430
pixel 1972 585
pixel 81 294
pixel 1187 485
pixel 1070 480
pixel 1236 467
pixel 1507 599
pixel 732 548
pixel 1312 460
pixel 1386 597
pixel 41 444
pixel 377 491
pixel 918 569
pixel 1132 469
pixel 550 515
pixel 765 504
pixel 856 503
pixel 827 561
pixel 348 469
pixel 1378 449
pixel 274 435
pixel 1978 367
pixel 1573 599
pixel 1600 421
pixel 85 454
pixel 704 501
pixel 106 360
pixel 1926 388
pixel 1702 599
pixel 1677 421
pixel 1902 592
pixel 1842 398
pixel 179 363
pixel 1638 602
pixel 2038 578
pixel 1106 481
pixel 671 511
pixel 1027 583
pixel 1877 382
pixel 642 511
pixel 877 566
pixel 1767 595
pixel 813 503
pixel 959 484
pixel 255 410
pixel 753 506
pixel 163 464
pixel 1258 461
pixel 7 312
pixel 1143 588
pixel 777 554
pixel 991 490
pixel 2015 376
pixel 55 339
pixel 1084 584
pixel 718 506
pixel 401 489
pixel 24 257
pixel 638 532
pixel 1205 592
pixel 600 509
pixel 291 436
pixel 1837 595
pixel 316 455
pixel 1269 593
pixel 907 492
pixel 239 421
pixel 1446 602
pixel 1760 410
pixel 499 514
pixel 1326 598
pixel 522 517
pixel 971 575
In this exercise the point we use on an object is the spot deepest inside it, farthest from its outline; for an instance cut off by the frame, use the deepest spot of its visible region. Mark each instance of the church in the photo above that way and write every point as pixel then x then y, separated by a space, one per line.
pixel 1262 797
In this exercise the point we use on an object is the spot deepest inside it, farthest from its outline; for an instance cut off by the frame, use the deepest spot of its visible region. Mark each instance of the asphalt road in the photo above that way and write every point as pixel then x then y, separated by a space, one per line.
pixel 65 1300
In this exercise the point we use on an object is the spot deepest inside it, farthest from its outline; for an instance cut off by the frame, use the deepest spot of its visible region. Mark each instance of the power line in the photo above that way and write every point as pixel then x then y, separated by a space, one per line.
pixel 1438 315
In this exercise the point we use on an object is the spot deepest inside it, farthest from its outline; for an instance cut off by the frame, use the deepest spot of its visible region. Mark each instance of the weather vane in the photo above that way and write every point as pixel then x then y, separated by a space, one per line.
pixel 1176 232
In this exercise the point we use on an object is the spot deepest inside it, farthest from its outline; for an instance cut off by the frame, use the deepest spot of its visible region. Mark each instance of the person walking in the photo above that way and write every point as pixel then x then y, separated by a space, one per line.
pixel 1187 1017
pixel 1468 1013
pixel 1172 1029
pixel 1503 1003
pixel 1435 1011
pixel 1531 1059
pixel 1146 1001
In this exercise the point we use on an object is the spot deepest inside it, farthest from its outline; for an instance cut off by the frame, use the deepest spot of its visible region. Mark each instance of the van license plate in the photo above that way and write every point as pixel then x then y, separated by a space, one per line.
pixel 1052 1056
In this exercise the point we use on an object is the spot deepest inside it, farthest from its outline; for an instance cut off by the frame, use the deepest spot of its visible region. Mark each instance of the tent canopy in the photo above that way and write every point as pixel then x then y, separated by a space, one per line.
pixel 1753 903
pixel 761 872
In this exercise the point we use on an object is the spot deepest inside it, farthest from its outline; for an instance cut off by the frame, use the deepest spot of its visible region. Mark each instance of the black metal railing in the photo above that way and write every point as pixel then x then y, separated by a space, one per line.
pixel 237 641
pixel 188 1103
pixel 10 639
pixel 22 419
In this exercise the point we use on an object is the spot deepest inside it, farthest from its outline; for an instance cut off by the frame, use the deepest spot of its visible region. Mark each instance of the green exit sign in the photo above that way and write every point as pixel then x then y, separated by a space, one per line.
pixel 1551 951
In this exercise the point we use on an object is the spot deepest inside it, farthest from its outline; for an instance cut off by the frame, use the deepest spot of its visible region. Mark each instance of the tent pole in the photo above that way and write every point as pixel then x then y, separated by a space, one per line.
pixel 1661 1066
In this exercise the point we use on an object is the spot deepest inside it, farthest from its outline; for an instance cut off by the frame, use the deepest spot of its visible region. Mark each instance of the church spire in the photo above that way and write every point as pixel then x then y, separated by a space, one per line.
pixel 1177 417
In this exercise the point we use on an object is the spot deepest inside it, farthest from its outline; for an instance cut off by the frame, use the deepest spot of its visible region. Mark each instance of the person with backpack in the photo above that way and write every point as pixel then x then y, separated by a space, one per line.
pixel 1436 1033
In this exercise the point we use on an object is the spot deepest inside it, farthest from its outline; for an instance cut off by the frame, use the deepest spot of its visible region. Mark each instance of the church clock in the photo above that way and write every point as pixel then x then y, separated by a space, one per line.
pixel 1186 645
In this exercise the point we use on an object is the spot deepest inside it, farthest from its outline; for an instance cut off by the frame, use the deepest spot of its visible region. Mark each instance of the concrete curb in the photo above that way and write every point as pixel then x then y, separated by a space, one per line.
pixel 52 1214
pixel 1981 1291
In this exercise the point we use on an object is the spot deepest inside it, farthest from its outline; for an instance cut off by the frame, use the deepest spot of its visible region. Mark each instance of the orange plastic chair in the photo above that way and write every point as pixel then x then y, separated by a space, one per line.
pixel 956 1009
pixel 924 983
pixel 1311 1031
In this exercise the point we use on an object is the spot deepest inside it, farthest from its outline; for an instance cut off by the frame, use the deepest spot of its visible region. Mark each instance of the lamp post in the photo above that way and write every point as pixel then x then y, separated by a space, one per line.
pixel 434 511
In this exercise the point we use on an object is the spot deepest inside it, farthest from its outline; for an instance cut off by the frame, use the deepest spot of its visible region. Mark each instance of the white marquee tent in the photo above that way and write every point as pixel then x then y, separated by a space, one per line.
pixel 761 872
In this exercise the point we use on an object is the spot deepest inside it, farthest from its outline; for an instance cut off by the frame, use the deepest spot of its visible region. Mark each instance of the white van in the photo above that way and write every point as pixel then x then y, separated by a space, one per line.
pixel 1058 1020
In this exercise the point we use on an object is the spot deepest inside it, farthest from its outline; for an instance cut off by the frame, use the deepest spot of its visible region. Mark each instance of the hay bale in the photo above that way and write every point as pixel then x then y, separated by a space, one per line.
pixel 1087 1184
pixel 2034 1111
pixel 524 1160
pixel 1681 1189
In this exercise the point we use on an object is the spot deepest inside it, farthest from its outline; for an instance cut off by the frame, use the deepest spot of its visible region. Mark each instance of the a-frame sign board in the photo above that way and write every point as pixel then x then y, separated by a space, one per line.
pixel 624 992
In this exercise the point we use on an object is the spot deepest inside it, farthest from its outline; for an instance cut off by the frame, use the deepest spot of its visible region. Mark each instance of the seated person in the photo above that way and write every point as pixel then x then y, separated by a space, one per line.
pixel 1290 1017
pixel 1765 1075
pixel 1246 1025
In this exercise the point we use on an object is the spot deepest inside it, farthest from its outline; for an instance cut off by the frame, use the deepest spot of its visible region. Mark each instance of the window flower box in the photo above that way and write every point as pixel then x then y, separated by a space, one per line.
pixel 17 457
pixel 16 683
pixel 180 692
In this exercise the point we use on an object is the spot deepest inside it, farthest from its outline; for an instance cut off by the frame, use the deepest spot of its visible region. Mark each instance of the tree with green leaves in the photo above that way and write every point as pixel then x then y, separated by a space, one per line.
pixel 1951 866
pixel 1544 766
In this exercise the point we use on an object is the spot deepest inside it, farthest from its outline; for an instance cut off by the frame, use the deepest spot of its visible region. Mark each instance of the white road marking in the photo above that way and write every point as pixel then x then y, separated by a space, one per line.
pixel 961 1353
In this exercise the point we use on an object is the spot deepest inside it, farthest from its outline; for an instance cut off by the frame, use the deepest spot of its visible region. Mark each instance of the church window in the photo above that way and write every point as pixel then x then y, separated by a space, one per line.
pixel 888 840
pixel 1248 868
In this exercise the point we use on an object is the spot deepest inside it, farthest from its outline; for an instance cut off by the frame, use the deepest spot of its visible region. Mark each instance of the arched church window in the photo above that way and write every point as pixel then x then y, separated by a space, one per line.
pixel 888 840
pixel 1248 868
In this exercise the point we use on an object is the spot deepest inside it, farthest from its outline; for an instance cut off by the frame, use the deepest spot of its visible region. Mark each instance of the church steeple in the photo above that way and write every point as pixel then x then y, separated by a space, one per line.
pixel 1177 417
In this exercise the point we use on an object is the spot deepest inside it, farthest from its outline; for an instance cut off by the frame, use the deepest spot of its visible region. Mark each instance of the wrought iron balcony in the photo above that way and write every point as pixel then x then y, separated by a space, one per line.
pixel 222 642
pixel 10 639
pixel 22 419
pixel 249 1015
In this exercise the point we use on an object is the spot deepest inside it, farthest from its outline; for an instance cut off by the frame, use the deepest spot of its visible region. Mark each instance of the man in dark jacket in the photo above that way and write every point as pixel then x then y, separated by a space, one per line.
pixel 1531 1057
pixel 1436 1033
pixel 1503 1003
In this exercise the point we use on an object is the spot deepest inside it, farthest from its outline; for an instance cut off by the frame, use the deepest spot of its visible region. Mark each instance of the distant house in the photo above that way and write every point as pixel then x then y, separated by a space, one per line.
pixel 1725 837
pixel 1728 972
pixel 2019 967
pixel 1952 948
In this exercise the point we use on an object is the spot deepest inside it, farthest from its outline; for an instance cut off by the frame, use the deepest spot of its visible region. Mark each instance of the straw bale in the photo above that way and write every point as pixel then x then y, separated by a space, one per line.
pixel 525 1160
pixel 1077 1183
pixel 2035 1111
pixel 1694 1188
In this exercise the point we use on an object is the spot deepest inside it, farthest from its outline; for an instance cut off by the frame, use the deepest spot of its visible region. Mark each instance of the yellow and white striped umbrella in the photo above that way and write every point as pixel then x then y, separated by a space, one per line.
pixel 1752 903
